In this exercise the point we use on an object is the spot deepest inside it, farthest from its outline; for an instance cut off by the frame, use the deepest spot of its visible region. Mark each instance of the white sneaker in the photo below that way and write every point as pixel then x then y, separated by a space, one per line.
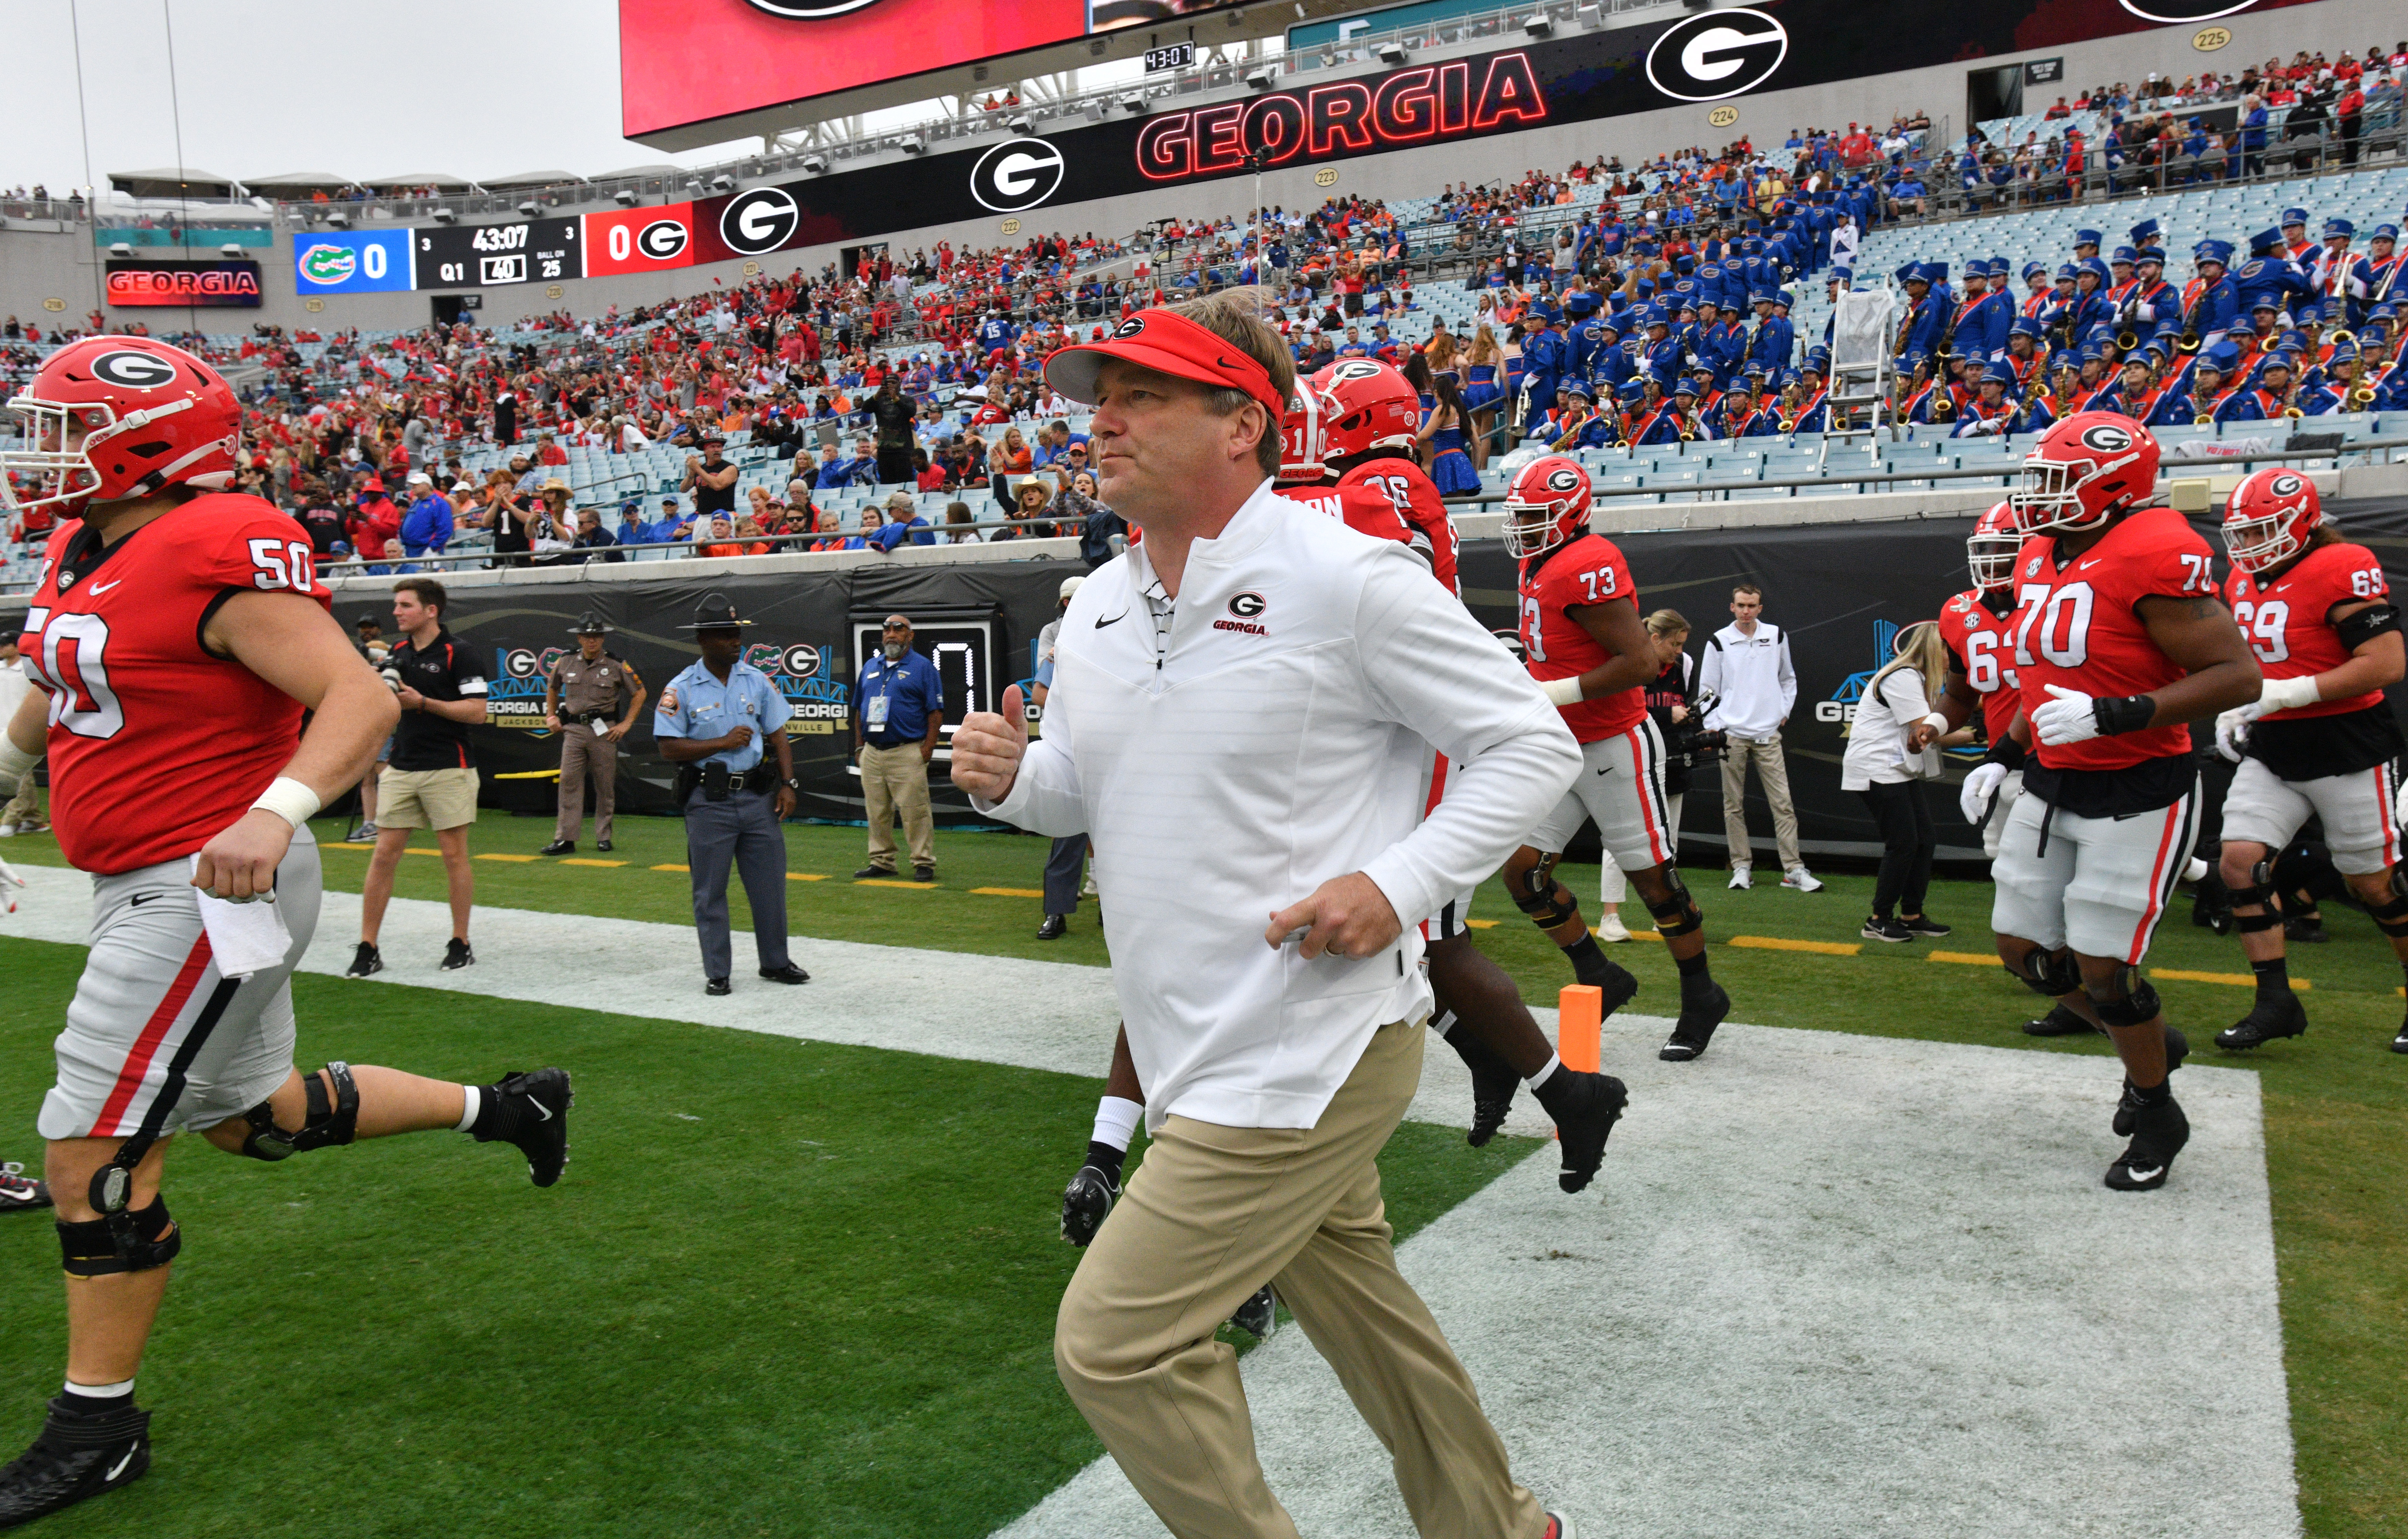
pixel 1739 882
pixel 1798 879
pixel 1087 888
pixel 1609 928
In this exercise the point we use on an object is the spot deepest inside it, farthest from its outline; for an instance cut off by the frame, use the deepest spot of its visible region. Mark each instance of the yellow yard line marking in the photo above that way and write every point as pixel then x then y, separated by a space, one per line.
pixel 338 844
pixel 889 882
pixel 1967 958
pixel 668 868
pixel 515 859
pixel 2235 980
pixel 801 876
pixel 1009 892
pixel 1482 924
pixel 575 860
pixel 1773 943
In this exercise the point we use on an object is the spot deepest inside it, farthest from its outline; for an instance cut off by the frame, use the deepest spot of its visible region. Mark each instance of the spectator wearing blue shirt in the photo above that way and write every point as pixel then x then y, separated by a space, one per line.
pixel 902 524
pixel 898 710
pixel 428 528
pixel 631 523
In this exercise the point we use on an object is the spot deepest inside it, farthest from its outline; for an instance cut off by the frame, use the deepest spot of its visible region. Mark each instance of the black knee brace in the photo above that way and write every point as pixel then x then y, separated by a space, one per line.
pixel 134 1241
pixel 324 1123
pixel 2137 1005
pixel 1547 901
pixel 2260 892
pixel 2391 919
pixel 2048 974
pixel 1678 914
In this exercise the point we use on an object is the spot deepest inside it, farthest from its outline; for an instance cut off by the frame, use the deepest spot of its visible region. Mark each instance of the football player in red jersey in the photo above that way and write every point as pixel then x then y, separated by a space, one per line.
pixel 176 636
pixel 1304 475
pixel 2119 638
pixel 1583 641
pixel 1374 417
pixel 2319 739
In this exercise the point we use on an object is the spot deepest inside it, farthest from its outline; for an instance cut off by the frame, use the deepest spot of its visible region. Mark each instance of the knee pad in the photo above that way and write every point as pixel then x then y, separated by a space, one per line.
pixel 134 1241
pixel 1678 914
pixel 2137 1005
pixel 1547 901
pixel 2046 973
pixel 2260 893
pixel 325 1122
pixel 2391 919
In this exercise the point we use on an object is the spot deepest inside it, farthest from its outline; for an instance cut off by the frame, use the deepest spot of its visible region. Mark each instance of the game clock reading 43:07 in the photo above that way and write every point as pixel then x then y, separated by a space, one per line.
pixel 480 256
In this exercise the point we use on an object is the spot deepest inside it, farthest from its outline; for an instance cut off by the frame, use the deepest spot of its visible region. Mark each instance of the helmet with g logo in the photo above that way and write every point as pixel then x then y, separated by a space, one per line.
pixel 2084 472
pixel 1546 506
pixel 108 418
pixel 2268 517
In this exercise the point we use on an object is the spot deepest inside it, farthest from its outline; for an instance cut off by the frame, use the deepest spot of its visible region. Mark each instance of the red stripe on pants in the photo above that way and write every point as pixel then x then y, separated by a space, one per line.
pixel 146 1046
pixel 2157 885
pixel 1647 799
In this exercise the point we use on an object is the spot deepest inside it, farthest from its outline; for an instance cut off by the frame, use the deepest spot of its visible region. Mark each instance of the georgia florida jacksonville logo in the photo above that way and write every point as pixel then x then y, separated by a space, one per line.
pixel 1716 54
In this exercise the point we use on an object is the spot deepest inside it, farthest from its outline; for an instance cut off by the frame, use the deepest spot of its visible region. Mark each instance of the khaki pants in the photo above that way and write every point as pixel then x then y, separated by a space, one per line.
pixel 1209 1214
pixel 26 806
pixel 583 748
pixel 895 781
pixel 1765 753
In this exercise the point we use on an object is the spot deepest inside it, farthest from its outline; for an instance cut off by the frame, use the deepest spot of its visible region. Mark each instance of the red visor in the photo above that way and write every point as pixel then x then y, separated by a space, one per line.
pixel 1170 344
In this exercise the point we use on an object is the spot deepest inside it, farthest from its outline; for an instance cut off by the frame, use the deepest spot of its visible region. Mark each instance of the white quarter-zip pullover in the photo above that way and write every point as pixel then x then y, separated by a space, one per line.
pixel 1230 750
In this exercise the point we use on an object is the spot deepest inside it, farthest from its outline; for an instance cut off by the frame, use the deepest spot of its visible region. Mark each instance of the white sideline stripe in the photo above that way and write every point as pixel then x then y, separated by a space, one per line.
pixel 1828 1285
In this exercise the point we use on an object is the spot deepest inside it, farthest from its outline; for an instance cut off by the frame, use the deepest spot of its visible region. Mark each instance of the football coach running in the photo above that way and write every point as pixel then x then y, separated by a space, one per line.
pixel 1239 712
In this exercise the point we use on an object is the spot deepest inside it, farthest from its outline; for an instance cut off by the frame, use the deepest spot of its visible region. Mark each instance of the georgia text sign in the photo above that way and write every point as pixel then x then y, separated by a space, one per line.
pixel 207 285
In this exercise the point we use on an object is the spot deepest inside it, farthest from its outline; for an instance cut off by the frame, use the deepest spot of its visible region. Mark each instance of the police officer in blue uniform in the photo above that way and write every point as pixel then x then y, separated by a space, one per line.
pixel 716 722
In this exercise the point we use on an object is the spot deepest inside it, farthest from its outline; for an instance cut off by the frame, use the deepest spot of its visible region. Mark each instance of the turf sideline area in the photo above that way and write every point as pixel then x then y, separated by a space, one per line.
pixel 1828 1285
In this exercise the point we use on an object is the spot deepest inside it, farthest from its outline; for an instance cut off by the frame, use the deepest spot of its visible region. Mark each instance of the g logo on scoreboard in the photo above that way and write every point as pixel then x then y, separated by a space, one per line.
pixel 759 222
pixel 809 11
pixel 662 240
pixel 131 370
pixel 1015 175
pixel 2185 10
pixel 1716 54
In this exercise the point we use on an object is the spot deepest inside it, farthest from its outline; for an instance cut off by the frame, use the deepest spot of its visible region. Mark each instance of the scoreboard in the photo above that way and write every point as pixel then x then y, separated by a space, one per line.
pixel 492 256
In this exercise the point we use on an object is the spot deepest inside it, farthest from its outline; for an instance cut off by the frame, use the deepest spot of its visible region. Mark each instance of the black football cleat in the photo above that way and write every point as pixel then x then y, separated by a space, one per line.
pixel 1702 1010
pixel 1258 1315
pixel 559 846
pixel 1585 1107
pixel 1493 1084
pixel 2158 1134
pixel 789 974
pixel 2060 1021
pixel 456 954
pixel 2268 1020
pixel 2400 1043
pixel 20 1191
pixel 77 1456
pixel 364 961
pixel 1618 984
pixel 2128 1105
pixel 530 1110
pixel 2305 929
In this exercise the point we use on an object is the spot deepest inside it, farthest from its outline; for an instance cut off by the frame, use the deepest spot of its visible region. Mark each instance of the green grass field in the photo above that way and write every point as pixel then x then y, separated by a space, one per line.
pixel 857 1339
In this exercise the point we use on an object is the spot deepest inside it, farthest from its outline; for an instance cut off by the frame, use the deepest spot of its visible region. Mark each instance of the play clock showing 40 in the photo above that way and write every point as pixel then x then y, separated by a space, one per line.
pixel 481 256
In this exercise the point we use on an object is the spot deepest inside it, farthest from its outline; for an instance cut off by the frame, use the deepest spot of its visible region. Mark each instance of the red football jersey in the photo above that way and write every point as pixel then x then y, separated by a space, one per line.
pixel 155 746
pixel 1589 570
pixel 2286 619
pixel 1358 507
pixel 1416 499
pixel 1980 641
pixel 2078 628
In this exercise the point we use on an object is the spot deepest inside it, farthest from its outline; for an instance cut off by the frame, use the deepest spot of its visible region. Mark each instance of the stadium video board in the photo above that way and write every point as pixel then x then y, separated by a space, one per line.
pixel 204 285
pixel 488 256
pixel 686 62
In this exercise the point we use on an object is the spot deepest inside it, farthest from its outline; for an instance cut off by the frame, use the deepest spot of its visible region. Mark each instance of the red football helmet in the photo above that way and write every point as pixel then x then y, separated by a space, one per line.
pixel 2268 519
pixel 1990 548
pixel 1546 506
pixel 1304 437
pixel 1370 407
pixel 2084 472
pixel 113 417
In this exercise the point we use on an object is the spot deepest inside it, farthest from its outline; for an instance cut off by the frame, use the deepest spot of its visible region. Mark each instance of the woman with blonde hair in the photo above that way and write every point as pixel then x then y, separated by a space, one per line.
pixel 1879 767
pixel 1483 393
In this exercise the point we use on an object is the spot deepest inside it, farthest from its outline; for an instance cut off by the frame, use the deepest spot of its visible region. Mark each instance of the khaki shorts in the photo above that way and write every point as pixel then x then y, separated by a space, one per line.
pixel 425 799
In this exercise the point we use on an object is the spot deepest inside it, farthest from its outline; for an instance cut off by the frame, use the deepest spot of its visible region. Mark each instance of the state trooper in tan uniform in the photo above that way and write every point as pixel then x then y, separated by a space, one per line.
pixel 590 700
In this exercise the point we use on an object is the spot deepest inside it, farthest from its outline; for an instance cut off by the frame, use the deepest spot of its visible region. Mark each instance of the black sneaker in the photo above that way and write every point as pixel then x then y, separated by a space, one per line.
pixel 1259 1315
pixel 530 1110
pixel 1923 924
pixel 75 1456
pixel 2127 1106
pixel 364 961
pixel 1585 1108
pixel 2158 1134
pixel 603 845
pixel 869 873
pixel 20 1191
pixel 1618 984
pixel 1880 928
pixel 2060 1021
pixel 456 954
pixel 2267 1020
pixel 924 873
pixel 1702 1010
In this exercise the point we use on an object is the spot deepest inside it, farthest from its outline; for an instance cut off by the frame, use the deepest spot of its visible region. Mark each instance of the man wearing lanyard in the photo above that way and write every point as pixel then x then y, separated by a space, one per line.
pixel 1241 711
pixel 901 707
pixel 712 723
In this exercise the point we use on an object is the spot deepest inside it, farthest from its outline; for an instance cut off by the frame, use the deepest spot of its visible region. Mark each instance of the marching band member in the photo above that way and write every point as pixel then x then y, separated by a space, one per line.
pixel 1991 412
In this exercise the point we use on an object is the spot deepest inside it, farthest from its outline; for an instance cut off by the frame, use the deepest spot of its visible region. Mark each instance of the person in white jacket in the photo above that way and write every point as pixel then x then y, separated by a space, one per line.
pixel 1883 767
pixel 1237 717
pixel 1747 670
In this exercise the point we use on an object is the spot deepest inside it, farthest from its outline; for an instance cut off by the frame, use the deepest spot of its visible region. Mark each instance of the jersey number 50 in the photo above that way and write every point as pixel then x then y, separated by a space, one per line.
pixel 272 571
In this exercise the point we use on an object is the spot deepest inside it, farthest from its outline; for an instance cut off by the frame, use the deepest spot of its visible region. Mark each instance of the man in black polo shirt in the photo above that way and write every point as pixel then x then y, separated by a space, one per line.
pixel 430 781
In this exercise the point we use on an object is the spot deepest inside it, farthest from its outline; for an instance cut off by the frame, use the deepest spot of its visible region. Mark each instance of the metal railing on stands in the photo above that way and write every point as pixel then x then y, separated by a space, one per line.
pixel 486 558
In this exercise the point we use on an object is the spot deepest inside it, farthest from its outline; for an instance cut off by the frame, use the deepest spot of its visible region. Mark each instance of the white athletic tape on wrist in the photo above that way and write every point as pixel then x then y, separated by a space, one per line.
pixel 289 799
pixel 1116 1120
pixel 2289 694
pixel 1563 691
pixel 1938 723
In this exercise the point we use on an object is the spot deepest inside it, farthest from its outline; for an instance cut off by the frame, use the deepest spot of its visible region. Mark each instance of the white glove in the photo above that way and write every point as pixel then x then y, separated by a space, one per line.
pixel 2232 730
pixel 9 883
pixel 2288 693
pixel 1980 787
pixel 2069 718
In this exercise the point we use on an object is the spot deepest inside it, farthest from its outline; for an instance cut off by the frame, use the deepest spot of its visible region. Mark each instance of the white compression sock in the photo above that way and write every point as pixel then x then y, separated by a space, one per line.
pixel 99 1391
pixel 473 1100
pixel 1545 1074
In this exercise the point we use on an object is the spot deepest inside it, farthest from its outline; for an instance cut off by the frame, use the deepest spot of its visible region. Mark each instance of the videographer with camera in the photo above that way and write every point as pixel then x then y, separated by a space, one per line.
pixel 1672 704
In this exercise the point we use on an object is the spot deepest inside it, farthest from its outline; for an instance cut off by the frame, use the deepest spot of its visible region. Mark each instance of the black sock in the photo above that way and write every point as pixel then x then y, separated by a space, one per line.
pixel 2274 979
pixel 497 1116
pixel 73 1397
pixel 1692 967
pixel 1106 1158
pixel 2156 1095
pixel 1587 958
